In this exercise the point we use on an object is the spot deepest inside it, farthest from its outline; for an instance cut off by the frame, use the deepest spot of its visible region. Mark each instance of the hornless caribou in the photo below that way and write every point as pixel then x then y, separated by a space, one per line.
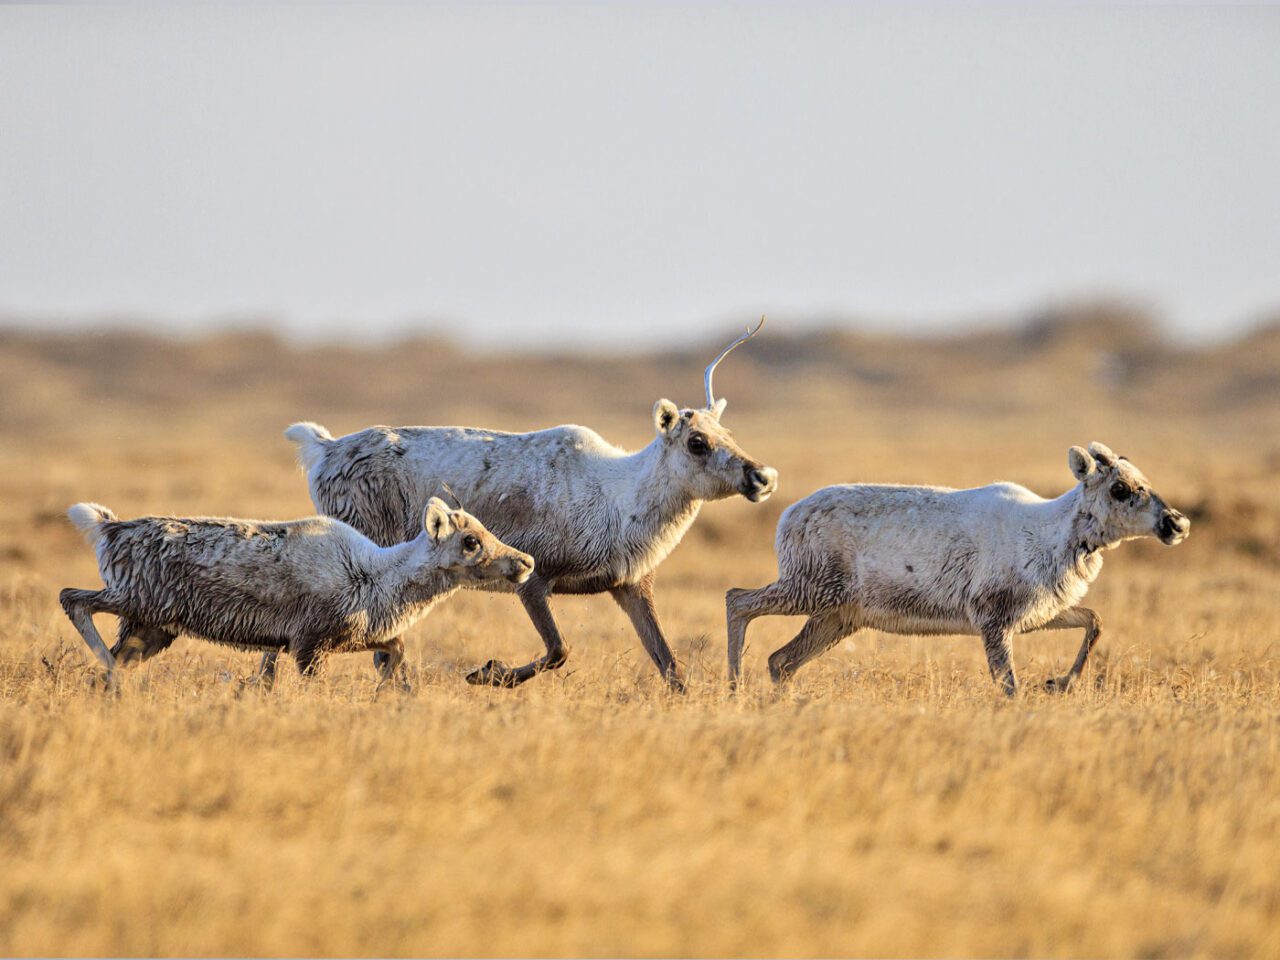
pixel 995 561
pixel 310 587
pixel 594 517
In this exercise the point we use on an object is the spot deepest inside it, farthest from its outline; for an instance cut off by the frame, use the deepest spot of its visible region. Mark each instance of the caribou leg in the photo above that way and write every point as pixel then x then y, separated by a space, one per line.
pixel 391 664
pixel 636 601
pixel 266 674
pixel 743 606
pixel 80 606
pixel 139 642
pixel 997 640
pixel 820 633
pixel 533 594
pixel 1092 624
pixel 310 660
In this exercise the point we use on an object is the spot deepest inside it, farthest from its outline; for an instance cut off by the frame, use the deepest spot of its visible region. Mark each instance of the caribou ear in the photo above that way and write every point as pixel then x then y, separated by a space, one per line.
pixel 435 519
pixel 665 416
pixel 1102 453
pixel 1080 461
pixel 719 407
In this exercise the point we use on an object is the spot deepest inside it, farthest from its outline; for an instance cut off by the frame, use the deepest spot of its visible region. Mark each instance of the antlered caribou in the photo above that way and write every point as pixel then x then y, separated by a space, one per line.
pixel 595 518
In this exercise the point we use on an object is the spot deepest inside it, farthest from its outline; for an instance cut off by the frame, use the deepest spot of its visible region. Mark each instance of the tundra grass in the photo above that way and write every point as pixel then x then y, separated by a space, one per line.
pixel 887 802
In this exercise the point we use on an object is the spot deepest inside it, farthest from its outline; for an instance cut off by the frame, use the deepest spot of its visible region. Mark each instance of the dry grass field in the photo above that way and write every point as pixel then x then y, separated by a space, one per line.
pixel 887 802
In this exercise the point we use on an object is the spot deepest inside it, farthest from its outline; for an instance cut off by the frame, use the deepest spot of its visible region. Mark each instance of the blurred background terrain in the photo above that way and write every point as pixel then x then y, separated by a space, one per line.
pixel 964 409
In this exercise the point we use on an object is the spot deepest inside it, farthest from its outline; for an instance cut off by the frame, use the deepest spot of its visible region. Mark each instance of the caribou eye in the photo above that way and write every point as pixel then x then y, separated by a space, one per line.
pixel 470 544
pixel 1120 491
pixel 698 445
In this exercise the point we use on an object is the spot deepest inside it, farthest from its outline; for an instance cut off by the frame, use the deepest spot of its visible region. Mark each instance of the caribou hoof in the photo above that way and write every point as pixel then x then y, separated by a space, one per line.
pixel 400 685
pixel 1057 685
pixel 495 673
pixel 108 684
pixel 255 684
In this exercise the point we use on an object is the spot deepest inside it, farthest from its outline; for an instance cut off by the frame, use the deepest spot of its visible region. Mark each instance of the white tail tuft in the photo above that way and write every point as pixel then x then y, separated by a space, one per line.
pixel 88 518
pixel 310 438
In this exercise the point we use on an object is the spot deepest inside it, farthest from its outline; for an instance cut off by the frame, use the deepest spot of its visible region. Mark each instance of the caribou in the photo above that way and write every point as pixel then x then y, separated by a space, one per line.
pixel 309 587
pixel 994 561
pixel 596 518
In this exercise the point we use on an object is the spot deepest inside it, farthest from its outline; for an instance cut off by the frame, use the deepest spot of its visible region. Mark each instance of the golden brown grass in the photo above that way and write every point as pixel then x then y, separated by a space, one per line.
pixel 888 802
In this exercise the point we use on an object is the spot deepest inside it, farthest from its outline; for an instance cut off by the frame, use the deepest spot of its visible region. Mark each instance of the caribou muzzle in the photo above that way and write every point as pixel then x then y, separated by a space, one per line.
pixel 758 482
pixel 519 568
pixel 1173 528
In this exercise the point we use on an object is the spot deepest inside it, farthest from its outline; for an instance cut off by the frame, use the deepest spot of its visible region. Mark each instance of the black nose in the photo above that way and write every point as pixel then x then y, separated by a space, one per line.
pixel 1172 524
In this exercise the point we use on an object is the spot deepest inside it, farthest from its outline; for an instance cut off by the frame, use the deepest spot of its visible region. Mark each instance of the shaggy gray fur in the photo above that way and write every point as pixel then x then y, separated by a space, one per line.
pixel 309 587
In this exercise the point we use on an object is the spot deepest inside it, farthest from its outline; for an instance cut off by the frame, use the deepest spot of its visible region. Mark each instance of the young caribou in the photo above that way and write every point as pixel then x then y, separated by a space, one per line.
pixel 309 587
pixel 596 518
pixel 994 561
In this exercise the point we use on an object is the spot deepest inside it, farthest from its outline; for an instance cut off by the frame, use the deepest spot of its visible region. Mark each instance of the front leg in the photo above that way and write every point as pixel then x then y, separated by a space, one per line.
pixel 534 594
pixel 1092 624
pixel 636 600
pixel 390 661
pixel 309 658
pixel 382 658
pixel 266 675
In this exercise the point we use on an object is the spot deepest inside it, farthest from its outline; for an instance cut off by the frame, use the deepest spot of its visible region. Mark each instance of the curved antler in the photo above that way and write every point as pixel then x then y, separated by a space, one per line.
pixel 443 486
pixel 706 376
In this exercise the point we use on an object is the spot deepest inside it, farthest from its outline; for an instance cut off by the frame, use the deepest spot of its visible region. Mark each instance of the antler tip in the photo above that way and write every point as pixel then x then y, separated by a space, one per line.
pixel 706 377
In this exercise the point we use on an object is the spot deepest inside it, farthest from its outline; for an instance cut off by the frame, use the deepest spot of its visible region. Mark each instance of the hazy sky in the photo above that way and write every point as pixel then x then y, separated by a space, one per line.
pixel 624 172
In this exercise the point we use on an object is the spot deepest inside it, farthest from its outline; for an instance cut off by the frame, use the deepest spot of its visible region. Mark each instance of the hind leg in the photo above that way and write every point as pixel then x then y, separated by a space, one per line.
pixel 743 606
pixel 820 633
pixel 136 643
pixel 80 606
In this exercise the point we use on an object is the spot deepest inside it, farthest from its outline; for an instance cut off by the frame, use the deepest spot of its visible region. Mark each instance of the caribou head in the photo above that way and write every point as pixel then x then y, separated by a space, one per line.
pixel 702 451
